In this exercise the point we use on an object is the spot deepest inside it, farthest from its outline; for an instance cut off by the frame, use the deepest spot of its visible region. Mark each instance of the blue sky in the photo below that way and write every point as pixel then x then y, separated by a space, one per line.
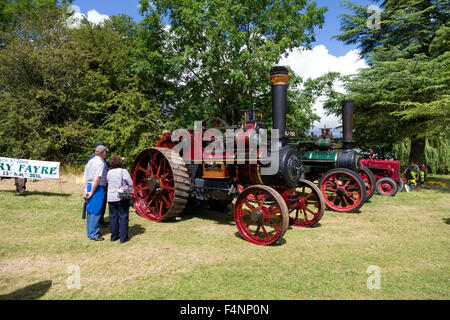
pixel 323 36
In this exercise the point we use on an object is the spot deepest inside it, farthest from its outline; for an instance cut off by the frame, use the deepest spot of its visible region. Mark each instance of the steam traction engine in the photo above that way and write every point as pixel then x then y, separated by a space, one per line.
pixel 343 181
pixel 165 181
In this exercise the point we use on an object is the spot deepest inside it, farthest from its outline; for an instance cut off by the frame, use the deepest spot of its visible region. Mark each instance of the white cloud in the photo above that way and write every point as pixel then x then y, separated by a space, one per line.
pixel 317 62
pixel 93 16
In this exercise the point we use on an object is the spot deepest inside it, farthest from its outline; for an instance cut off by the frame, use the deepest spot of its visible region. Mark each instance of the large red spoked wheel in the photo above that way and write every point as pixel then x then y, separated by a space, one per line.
pixel 161 184
pixel 305 204
pixel 343 190
pixel 261 215
pixel 369 180
pixel 387 187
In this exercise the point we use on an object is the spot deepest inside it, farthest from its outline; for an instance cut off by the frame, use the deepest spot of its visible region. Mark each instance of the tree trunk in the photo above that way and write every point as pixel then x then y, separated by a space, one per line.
pixel 417 154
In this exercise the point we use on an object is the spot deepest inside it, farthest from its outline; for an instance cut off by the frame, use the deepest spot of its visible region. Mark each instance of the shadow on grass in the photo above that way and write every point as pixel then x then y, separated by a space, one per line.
pixel 279 243
pixel 136 230
pixel 31 292
pixel 36 193
pixel 446 220
pixel 133 231
pixel 220 217
pixel 339 212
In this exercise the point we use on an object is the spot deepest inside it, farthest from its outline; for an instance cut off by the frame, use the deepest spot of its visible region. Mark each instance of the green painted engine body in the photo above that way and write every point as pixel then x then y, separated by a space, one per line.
pixel 321 155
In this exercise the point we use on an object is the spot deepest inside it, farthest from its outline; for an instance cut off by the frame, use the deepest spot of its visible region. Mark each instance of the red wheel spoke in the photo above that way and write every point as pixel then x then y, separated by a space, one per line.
pixel 249 205
pixel 150 202
pixel 257 230
pixel 165 175
pixel 264 230
pixel 161 208
pixel 139 168
pixel 150 168
pixel 147 196
pixel 273 225
pixel 346 184
pixel 312 212
pixel 159 168
pixel 274 210
pixel 261 204
pixel 306 216
pixel 167 203
pixel 309 195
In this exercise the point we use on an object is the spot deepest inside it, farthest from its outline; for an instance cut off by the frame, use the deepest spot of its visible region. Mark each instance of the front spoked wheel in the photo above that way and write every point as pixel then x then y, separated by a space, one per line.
pixel 343 190
pixel 261 215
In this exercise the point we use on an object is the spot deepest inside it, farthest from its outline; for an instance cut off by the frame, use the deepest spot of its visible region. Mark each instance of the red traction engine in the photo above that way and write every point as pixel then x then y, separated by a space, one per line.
pixel 165 181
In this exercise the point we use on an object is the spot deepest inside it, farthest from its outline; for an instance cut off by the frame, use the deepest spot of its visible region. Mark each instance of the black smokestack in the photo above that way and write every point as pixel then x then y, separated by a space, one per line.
pixel 347 124
pixel 279 76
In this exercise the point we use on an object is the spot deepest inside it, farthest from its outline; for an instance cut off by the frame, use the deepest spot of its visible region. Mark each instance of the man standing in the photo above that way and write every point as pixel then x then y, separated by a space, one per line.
pixel 102 221
pixel 94 192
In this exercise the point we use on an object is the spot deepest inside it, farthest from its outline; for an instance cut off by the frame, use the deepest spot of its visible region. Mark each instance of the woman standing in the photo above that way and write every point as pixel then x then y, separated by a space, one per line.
pixel 119 206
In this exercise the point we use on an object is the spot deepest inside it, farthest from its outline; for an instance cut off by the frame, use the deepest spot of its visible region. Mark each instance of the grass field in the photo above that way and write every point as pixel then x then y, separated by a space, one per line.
pixel 202 256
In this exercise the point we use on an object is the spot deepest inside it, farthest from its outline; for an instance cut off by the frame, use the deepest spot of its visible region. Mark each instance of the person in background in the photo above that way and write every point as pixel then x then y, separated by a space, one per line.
pixel 422 174
pixel 119 208
pixel 102 221
pixel 413 172
pixel 94 191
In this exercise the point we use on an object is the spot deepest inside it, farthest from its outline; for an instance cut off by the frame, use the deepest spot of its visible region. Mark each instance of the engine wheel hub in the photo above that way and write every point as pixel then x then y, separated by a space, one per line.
pixel 154 183
pixel 340 192
pixel 256 216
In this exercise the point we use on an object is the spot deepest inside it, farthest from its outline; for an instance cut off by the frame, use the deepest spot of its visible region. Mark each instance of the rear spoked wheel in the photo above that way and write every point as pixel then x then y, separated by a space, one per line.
pixel 161 184
pixel 305 204
pixel 261 215
pixel 369 180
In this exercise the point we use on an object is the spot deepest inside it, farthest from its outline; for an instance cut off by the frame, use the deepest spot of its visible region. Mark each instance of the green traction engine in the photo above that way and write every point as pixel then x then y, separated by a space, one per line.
pixel 343 181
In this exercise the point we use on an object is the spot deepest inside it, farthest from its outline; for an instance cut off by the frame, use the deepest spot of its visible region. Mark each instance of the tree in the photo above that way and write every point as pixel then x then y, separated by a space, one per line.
pixel 220 53
pixel 117 107
pixel 12 11
pixel 39 71
pixel 62 89
pixel 411 25
pixel 404 94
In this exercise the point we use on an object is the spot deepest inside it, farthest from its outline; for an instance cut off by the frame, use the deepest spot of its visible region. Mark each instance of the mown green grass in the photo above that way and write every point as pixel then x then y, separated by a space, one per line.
pixel 202 256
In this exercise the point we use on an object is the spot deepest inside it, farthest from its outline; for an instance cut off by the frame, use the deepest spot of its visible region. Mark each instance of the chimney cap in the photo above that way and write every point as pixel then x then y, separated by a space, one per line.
pixel 278 70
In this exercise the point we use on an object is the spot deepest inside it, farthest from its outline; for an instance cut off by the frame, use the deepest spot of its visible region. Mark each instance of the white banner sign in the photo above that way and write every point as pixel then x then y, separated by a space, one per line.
pixel 29 169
